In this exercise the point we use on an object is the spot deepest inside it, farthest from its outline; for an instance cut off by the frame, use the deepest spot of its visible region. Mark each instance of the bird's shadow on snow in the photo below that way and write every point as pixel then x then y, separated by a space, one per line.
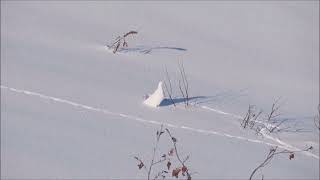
pixel 168 102
pixel 219 98
pixel 148 50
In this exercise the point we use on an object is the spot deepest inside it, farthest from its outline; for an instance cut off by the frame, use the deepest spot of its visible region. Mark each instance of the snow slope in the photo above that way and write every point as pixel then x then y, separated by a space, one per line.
pixel 72 109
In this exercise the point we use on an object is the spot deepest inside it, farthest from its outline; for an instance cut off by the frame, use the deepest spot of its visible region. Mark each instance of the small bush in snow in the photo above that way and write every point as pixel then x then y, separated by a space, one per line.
pixel 121 41
pixel 250 119
pixel 166 159
pixel 270 123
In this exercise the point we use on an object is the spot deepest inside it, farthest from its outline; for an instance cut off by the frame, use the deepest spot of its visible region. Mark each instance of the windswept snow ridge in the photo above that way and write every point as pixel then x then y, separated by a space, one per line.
pixel 280 143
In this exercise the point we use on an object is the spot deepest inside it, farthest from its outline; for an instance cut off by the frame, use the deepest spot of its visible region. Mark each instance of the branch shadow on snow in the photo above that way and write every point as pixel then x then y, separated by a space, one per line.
pixel 148 50
pixel 223 97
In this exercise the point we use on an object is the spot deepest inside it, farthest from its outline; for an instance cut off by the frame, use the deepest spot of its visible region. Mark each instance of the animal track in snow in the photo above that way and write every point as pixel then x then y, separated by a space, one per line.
pixel 280 143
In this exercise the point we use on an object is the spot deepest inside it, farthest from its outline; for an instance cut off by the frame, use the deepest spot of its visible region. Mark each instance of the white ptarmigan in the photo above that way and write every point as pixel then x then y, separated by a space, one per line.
pixel 156 98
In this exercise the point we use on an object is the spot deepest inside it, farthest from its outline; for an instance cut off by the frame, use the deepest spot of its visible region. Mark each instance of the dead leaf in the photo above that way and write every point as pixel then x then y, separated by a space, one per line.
pixel 291 156
pixel 184 169
pixel 171 152
pixel 140 165
pixel 174 139
pixel 168 165
pixel 176 172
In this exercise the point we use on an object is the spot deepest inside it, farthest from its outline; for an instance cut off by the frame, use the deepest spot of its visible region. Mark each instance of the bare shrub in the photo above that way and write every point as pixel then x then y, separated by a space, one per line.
pixel 183 85
pixel 166 160
pixel 270 122
pixel 272 119
pixel 272 153
pixel 250 119
pixel 120 41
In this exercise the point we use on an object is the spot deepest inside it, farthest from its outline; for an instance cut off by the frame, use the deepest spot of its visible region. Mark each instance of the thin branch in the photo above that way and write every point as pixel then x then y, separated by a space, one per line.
pixel 154 151
pixel 174 141
pixel 273 152
pixel 170 86
pixel 130 32
pixel 183 95
pixel 184 82
pixel 317 119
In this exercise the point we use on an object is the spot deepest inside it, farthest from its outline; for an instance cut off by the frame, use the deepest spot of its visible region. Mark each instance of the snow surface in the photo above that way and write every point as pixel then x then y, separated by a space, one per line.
pixel 155 99
pixel 72 109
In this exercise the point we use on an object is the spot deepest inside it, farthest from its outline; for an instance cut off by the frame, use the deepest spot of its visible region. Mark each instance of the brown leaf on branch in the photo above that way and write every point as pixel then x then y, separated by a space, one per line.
pixel 184 169
pixel 176 172
pixel 171 152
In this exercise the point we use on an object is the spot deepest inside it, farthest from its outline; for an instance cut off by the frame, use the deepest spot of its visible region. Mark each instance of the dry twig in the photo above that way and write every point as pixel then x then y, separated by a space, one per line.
pixel 168 90
pixel 184 86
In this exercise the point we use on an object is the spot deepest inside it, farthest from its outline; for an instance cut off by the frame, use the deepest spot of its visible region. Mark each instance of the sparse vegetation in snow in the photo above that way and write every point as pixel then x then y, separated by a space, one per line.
pixel 179 170
pixel 274 151
pixel 121 41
